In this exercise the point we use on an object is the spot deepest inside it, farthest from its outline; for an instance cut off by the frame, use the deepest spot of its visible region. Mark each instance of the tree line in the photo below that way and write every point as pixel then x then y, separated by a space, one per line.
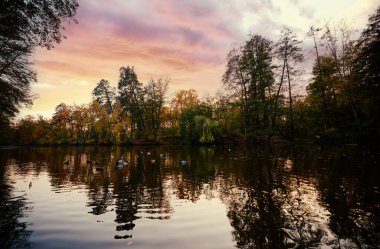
pixel 341 103
pixel 132 113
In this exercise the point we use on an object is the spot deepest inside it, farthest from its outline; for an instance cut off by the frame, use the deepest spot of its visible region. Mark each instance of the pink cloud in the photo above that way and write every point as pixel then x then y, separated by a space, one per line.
pixel 115 34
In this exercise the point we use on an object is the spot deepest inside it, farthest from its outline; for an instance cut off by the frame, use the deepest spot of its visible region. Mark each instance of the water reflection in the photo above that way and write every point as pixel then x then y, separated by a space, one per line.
pixel 281 201
pixel 12 207
pixel 274 197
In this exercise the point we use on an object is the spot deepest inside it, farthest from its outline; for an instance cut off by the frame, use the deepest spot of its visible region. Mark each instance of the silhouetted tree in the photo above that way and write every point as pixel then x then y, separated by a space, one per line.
pixel 249 74
pixel 25 25
pixel 289 52
pixel 155 93
pixel 340 46
pixel 257 61
pixel 367 69
pixel 131 98
pixel 235 79
pixel 62 122
pixel 104 94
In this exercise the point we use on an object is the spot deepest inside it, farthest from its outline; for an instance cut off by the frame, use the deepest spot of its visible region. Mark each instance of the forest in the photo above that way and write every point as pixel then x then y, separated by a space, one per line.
pixel 258 102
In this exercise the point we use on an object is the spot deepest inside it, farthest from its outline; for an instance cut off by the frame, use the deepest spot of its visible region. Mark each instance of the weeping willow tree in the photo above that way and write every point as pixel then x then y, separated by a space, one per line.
pixel 204 127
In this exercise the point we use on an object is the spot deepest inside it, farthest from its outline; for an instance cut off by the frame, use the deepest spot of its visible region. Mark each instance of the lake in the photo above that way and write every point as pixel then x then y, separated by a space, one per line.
pixel 224 197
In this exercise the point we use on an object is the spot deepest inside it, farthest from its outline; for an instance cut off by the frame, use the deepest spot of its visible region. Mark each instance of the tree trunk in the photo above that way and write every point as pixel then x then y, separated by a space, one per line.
pixel 245 100
pixel 290 101
pixel 277 96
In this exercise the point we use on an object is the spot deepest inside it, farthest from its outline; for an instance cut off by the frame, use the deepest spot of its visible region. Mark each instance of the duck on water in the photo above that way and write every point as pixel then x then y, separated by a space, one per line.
pixel 182 162
pixel 121 162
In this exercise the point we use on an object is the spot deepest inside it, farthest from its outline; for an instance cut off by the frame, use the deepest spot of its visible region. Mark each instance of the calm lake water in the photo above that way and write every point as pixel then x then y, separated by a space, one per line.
pixel 225 197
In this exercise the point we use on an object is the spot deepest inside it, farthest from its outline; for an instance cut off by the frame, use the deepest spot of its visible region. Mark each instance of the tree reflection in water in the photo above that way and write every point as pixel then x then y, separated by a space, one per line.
pixel 132 192
pixel 275 197
pixel 285 201
pixel 13 233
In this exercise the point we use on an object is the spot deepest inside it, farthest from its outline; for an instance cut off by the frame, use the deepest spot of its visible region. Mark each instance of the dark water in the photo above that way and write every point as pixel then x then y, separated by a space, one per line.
pixel 238 197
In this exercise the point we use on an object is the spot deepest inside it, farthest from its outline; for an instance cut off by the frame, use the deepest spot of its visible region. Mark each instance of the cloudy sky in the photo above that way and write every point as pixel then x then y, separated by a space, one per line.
pixel 186 40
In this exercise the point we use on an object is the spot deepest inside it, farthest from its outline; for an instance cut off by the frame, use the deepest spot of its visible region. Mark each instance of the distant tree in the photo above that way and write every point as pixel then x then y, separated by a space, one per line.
pixel 131 98
pixel 62 123
pixel 81 122
pixel 187 123
pixel 289 52
pixel 318 73
pixel 44 132
pixel 25 25
pixel 99 128
pixel 169 123
pixel 257 61
pixel 204 127
pixel 249 73
pixel 120 124
pixel 155 92
pixel 227 112
pixel 182 100
pixel 340 47
pixel 105 94
pixel 25 131
pixel 32 131
pixel 322 95
pixel 187 118
pixel 236 79
pixel 222 107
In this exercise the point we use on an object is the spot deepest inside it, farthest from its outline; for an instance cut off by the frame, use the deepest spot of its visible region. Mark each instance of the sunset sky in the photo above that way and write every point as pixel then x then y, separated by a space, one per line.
pixel 186 40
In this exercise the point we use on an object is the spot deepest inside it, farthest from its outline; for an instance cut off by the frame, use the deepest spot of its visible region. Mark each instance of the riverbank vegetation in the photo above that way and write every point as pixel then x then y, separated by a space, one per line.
pixel 259 101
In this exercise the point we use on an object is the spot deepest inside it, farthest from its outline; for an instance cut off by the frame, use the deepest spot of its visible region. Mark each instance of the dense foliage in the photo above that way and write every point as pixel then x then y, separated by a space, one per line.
pixel 341 103
pixel 25 25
